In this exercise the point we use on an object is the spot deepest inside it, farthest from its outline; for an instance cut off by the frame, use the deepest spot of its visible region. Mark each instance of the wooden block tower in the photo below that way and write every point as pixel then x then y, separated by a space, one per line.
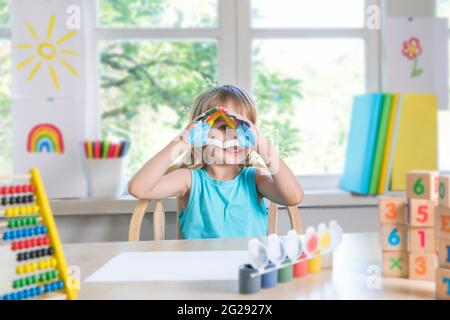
pixel 442 231
pixel 422 192
pixel 393 236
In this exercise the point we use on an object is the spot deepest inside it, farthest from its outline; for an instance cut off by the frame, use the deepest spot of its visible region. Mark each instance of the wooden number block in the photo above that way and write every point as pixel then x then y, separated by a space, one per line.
pixel 421 240
pixel 443 284
pixel 395 264
pixel 444 252
pixel 393 237
pixel 422 185
pixel 392 210
pixel 444 191
pixel 422 266
pixel 422 212
pixel 443 222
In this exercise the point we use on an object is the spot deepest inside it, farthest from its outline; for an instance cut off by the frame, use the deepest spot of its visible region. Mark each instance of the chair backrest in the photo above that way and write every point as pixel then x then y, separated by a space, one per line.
pixel 159 220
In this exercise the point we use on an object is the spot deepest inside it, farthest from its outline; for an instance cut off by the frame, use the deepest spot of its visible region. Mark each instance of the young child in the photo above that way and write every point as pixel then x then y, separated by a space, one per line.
pixel 222 194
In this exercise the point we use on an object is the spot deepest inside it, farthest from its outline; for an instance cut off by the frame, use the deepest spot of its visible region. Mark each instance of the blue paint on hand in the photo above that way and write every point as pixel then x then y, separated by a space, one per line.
pixel 198 136
pixel 245 136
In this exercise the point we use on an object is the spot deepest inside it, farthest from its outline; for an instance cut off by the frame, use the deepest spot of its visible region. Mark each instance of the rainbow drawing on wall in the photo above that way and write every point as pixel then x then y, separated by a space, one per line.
pixel 45 137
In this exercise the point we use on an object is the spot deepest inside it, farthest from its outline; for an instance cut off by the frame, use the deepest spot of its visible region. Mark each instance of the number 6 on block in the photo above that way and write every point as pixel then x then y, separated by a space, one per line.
pixel 393 237
pixel 422 185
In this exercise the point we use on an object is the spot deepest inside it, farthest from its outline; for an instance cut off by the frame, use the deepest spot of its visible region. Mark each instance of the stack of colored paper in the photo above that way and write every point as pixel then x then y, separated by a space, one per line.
pixel 390 134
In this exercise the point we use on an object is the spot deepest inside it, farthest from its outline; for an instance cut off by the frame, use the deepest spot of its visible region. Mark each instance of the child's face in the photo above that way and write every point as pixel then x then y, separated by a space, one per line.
pixel 232 154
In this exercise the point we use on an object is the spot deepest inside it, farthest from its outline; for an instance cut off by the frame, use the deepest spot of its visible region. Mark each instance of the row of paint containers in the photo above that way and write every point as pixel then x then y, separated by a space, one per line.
pixel 278 259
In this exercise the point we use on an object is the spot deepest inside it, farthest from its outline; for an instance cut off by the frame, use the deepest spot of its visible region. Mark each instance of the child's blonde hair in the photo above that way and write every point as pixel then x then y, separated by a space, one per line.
pixel 220 95
pixel 213 97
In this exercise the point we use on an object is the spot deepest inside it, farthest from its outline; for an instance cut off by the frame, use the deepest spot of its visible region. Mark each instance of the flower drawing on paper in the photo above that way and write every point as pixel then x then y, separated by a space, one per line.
pixel 412 50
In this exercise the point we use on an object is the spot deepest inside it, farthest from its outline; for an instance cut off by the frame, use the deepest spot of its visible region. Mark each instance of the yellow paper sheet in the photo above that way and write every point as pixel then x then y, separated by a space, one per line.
pixel 416 147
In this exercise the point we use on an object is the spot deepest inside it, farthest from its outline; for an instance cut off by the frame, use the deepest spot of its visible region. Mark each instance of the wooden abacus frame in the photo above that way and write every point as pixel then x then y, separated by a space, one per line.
pixel 71 287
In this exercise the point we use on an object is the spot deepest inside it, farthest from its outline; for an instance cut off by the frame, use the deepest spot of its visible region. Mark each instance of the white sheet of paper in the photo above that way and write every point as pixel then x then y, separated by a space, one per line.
pixel 171 266
pixel 433 61
pixel 48 47
pixel 62 173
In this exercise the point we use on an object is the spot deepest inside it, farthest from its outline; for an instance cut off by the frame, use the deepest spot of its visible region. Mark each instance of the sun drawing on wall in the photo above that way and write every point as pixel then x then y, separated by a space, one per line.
pixel 46 51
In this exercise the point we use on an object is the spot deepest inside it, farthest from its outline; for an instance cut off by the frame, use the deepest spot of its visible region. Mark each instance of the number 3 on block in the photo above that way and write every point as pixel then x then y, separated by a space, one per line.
pixel 392 210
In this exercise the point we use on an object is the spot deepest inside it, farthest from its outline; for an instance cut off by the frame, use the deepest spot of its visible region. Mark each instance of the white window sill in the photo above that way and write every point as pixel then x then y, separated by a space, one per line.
pixel 331 198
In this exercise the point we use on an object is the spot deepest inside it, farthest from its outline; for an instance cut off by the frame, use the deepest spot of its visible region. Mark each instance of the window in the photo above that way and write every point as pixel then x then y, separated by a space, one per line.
pixel 303 61
pixel 303 85
pixel 311 55
pixel 147 86
pixel 4 13
pixel 5 92
pixel 312 105
pixel 307 14
pixel 158 14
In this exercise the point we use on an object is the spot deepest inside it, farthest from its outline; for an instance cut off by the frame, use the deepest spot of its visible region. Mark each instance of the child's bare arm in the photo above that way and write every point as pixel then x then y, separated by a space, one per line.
pixel 150 182
pixel 279 184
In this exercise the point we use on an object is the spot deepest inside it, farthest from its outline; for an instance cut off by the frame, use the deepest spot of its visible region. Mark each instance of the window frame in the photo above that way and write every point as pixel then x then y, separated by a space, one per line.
pixel 234 36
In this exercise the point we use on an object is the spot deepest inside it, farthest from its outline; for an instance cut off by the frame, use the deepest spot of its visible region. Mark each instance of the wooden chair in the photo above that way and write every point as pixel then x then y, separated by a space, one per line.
pixel 159 220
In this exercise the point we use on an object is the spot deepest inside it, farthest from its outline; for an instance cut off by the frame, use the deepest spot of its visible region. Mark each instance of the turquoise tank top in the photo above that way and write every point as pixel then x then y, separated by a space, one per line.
pixel 223 209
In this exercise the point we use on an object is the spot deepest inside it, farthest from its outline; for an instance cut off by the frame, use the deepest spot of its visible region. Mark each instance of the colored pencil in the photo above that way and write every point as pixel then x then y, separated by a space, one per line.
pixel 105 149
pixel 121 147
pixel 117 150
pixel 111 150
pixel 89 155
pixel 97 149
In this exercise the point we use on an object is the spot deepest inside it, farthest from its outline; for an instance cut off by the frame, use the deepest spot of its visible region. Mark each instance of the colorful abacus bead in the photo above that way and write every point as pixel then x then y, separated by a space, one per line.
pixel 23 282
pixel 24 294
pixel 33 254
pixel 12 212
pixel 33 266
pixel 53 286
pixel 30 243
pixel 22 222
pixel 47 276
pixel 35 279
pixel 16 189
pixel 26 232
pixel 23 199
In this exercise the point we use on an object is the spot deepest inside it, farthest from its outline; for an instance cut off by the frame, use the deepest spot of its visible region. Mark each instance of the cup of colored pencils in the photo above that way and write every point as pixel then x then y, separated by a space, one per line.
pixel 105 149
pixel 105 167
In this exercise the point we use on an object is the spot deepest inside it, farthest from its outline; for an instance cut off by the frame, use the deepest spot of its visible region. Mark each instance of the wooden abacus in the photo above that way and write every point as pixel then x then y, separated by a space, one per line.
pixel 41 270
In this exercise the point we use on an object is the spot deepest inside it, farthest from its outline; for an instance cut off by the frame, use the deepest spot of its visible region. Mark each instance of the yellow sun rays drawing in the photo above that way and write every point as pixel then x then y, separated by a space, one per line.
pixel 47 52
